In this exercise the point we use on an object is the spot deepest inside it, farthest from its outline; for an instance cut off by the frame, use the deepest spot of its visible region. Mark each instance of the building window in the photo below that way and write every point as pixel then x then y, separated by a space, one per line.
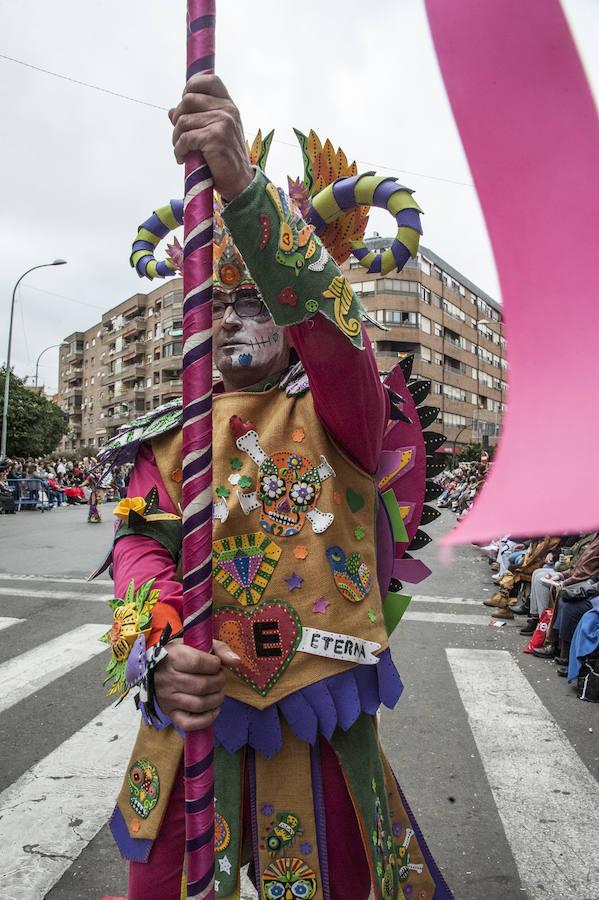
pixel 172 297
pixel 174 349
pixel 425 295
pixel 454 311
pixel 425 324
pixel 437 330
pixel 453 420
pixel 399 317
pixel 425 265
pixel 454 393
pixel 438 359
pixel 425 354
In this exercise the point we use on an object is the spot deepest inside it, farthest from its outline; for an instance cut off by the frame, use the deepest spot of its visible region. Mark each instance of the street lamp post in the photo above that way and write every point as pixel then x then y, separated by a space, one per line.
pixel 57 262
pixel 37 363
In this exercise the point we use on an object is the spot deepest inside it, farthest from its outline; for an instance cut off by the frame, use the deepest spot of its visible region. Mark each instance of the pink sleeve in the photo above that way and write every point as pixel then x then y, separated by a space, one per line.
pixel 140 557
pixel 349 397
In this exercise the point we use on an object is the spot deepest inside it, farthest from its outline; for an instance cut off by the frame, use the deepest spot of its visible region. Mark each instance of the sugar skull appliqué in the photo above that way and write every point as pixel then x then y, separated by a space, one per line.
pixel 144 787
pixel 288 879
pixel 289 486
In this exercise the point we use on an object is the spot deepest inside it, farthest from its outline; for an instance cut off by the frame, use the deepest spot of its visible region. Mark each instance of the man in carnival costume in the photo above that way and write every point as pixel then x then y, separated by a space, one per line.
pixel 309 451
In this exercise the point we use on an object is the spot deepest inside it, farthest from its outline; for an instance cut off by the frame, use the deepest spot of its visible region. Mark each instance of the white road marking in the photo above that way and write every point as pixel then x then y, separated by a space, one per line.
pixel 547 799
pixel 59 579
pixel 50 814
pixel 438 618
pixel 7 621
pixel 25 674
pixel 455 601
pixel 51 595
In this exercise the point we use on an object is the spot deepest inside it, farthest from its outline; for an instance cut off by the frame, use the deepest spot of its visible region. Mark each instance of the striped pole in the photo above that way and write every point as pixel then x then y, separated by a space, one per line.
pixel 197 461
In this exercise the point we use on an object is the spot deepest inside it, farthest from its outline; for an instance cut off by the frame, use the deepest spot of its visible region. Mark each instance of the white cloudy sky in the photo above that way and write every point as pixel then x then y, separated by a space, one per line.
pixel 80 169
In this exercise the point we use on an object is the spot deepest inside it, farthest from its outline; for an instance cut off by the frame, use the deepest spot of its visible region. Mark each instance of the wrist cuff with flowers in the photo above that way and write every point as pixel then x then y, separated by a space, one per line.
pixel 141 516
pixel 132 621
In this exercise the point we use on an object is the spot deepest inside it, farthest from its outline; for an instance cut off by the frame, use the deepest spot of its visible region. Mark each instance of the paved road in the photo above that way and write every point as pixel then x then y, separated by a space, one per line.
pixel 495 753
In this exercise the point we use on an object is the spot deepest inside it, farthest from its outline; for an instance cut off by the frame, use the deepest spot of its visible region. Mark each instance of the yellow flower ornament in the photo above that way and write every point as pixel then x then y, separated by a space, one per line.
pixel 127 504
pixel 145 508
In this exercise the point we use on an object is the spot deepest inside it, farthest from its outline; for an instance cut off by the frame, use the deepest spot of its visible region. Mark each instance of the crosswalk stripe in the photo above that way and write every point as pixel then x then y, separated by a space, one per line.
pixel 59 579
pixel 50 814
pixel 25 674
pixel 547 799
pixel 457 601
pixel 438 618
pixel 7 621
pixel 52 595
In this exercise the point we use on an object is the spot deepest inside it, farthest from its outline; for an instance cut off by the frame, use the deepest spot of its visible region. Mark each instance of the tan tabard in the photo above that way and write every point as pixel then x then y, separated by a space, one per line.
pixel 295 588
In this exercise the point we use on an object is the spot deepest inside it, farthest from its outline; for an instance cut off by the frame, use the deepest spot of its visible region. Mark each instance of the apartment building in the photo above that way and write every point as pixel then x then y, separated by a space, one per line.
pixel 122 366
pixel 453 329
pixel 130 362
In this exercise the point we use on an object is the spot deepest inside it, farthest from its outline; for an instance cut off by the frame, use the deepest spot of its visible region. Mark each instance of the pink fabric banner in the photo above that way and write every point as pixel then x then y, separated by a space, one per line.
pixel 530 131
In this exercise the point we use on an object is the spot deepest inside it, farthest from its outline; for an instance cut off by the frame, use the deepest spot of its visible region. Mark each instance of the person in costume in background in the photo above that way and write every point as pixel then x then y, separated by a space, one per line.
pixel 93 514
pixel 301 663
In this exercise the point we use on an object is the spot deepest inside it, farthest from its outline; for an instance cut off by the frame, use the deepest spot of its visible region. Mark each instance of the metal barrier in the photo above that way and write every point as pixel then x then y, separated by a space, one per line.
pixel 30 493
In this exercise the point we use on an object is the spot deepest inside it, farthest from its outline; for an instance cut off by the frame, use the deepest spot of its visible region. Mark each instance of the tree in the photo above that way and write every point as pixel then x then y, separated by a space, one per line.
pixel 35 424
pixel 470 453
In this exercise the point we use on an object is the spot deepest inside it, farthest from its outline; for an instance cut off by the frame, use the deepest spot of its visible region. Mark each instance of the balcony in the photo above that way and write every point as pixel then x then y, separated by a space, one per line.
pixel 73 374
pixel 74 391
pixel 133 373
pixel 127 373
pixel 134 325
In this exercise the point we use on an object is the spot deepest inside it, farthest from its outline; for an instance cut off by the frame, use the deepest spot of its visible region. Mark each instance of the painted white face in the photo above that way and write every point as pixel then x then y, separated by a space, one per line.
pixel 248 346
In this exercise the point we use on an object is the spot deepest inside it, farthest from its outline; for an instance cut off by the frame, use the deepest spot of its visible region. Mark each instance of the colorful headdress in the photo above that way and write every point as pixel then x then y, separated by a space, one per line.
pixel 332 198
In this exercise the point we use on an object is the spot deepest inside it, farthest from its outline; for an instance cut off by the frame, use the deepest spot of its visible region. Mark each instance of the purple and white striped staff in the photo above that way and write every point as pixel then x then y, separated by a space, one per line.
pixel 197 461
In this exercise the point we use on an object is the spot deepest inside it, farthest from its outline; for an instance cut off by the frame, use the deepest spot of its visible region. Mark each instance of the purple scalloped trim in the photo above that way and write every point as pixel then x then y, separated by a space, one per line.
pixel 133 849
pixel 136 663
pixel 318 709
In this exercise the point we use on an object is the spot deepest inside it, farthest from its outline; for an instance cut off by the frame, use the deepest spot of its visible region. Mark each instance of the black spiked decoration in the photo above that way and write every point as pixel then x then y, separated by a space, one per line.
pixel 429 514
pixel 420 540
pixel 432 441
pixel 419 390
pixel 406 366
pixel 434 465
pixel 427 415
pixel 432 491
pixel 396 413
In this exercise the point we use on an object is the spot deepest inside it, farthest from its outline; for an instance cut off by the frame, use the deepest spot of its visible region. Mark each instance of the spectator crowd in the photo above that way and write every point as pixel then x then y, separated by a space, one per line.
pixel 53 483
pixel 551 582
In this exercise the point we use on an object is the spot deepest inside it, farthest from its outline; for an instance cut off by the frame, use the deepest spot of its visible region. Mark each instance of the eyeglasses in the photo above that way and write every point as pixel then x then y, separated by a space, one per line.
pixel 247 305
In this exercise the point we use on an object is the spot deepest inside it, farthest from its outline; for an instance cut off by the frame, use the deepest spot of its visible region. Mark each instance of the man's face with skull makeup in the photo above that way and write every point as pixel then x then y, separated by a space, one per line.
pixel 248 346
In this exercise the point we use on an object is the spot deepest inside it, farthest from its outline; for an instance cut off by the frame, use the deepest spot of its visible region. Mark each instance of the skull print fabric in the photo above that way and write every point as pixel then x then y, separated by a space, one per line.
pixel 144 787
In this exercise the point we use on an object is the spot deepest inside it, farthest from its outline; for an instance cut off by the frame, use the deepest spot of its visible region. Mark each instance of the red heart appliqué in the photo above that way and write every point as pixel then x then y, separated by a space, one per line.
pixel 265 638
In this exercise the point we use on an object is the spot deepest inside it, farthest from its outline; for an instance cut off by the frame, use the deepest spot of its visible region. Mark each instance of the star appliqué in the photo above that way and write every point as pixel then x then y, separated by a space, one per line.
pixel 294 581
pixel 320 606
pixel 224 865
